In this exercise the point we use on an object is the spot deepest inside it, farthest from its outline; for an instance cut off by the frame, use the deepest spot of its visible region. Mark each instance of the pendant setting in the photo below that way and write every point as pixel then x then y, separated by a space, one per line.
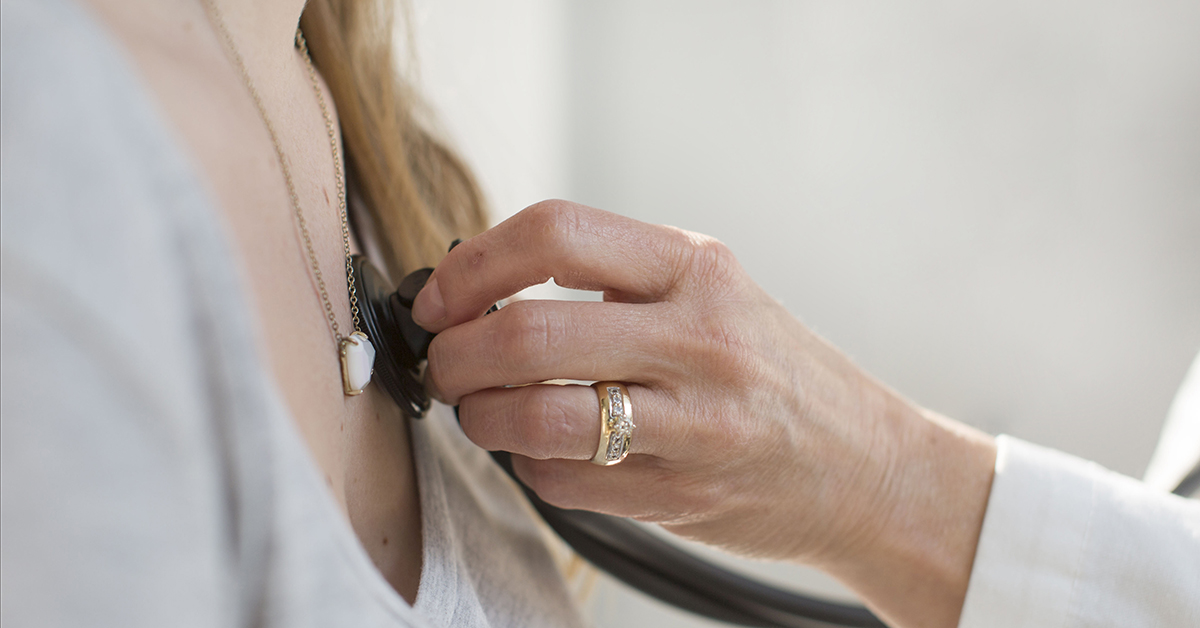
pixel 358 361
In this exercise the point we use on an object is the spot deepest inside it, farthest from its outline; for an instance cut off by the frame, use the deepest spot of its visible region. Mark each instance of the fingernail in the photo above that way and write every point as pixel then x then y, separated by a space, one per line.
pixel 428 308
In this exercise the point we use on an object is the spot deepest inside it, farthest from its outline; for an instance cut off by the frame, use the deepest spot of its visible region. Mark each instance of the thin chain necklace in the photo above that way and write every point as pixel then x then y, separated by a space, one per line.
pixel 356 352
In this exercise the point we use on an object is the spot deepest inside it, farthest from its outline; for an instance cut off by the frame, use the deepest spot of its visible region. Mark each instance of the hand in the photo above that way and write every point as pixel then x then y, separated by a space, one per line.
pixel 753 434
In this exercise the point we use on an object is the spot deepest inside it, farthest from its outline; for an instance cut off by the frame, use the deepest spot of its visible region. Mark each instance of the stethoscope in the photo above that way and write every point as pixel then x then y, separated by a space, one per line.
pixel 618 546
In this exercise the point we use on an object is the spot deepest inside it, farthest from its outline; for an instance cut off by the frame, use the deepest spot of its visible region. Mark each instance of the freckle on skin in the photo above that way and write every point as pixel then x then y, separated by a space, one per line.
pixel 385 540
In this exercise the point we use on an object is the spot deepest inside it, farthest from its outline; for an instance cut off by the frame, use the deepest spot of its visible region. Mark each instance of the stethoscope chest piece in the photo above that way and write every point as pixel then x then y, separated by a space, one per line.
pixel 401 345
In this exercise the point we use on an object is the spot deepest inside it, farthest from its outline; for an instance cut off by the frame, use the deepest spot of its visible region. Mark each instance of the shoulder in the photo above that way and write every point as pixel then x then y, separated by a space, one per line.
pixel 116 458
pixel 103 218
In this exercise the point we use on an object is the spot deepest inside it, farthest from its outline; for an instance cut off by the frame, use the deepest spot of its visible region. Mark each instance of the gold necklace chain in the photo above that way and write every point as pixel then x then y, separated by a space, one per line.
pixel 339 177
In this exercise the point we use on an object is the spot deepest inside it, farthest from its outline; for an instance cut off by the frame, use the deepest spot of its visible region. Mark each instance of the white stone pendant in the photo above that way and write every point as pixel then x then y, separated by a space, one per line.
pixel 358 360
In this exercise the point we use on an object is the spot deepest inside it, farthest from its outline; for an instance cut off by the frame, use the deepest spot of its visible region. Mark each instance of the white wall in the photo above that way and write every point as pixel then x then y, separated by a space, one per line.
pixel 496 75
pixel 995 207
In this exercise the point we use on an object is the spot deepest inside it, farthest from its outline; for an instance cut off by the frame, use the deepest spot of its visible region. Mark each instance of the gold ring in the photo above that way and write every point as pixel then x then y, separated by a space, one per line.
pixel 616 423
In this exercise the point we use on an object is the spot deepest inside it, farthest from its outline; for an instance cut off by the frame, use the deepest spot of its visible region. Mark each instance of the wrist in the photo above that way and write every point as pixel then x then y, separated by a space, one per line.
pixel 911 558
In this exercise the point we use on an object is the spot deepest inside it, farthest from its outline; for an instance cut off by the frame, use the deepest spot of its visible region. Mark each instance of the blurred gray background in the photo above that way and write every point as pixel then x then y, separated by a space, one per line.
pixel 993 207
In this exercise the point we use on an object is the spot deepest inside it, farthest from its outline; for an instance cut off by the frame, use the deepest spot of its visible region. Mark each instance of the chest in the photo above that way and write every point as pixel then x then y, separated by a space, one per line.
pixel 282 208
pixel 295 277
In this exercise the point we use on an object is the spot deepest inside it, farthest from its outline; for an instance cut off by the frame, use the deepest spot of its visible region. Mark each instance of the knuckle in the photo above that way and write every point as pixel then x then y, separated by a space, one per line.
pixel 675 252
pixel 544 424
pixel 679 241
pixel 524 334
pixel 720 341
pixel 700 262
pixel 730 341
pixel 739 432
pixel 528 335
pixel 712 260
pixel 731 442
pixel 553 222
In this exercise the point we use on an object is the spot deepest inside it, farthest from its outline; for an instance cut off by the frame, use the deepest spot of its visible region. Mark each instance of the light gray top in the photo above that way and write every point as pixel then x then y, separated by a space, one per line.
pixel 151 474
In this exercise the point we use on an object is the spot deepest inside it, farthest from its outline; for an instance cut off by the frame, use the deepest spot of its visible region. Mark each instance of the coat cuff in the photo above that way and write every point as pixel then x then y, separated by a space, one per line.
pixel 1066 542
pixel 1033 538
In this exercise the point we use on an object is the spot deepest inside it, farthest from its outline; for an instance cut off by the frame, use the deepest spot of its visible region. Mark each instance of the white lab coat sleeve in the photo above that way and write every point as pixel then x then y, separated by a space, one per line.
pixel 1066 543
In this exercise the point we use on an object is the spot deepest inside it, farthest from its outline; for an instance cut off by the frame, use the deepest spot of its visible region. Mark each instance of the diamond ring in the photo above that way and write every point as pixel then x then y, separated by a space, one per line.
pixel 616 423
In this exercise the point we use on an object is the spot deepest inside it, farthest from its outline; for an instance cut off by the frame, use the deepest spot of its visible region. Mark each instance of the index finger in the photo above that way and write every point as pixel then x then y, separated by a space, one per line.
pixel 576 246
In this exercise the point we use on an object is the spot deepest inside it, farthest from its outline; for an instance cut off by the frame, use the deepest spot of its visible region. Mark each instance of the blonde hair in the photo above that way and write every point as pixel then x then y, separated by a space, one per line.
pixel 418 193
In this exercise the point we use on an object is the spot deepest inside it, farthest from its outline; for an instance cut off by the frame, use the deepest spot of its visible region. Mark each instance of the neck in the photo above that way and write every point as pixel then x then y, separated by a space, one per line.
pixel 261 26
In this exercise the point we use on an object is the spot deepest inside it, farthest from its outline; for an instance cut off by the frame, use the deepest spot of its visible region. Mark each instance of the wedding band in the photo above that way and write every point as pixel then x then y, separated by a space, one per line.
pixel 616 423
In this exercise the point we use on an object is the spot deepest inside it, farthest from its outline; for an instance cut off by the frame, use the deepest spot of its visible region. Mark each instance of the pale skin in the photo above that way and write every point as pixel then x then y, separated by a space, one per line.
pixel 361 444
pixel 753 433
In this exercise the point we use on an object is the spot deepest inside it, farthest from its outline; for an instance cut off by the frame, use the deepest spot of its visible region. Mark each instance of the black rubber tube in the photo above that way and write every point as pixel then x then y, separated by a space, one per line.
pixel 675 576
